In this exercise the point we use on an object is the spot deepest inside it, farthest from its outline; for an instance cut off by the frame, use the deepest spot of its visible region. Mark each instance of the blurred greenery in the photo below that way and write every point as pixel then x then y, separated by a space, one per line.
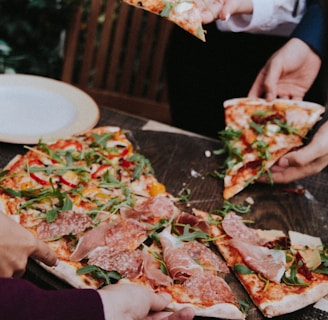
pixel 31 35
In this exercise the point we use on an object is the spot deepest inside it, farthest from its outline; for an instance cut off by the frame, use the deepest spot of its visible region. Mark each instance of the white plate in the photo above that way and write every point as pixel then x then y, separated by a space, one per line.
pixel 34 108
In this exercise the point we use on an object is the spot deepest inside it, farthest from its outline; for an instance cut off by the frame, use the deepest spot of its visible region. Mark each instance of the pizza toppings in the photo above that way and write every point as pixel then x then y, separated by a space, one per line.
pixel 236 229
pixel 150 210
pixel 258 133
pixel 207 287
pixel 184 13
pixel 126 234
pixel 270 263
pixel 66 223
pixel 100 207
pixel 126 263
pixel 179 263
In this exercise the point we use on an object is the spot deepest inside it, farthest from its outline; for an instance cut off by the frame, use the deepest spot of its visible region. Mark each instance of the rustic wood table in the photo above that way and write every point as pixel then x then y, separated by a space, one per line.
pixel 179 161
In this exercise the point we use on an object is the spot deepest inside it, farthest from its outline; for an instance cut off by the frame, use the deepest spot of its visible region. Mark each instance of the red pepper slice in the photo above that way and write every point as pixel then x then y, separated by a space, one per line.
pixel 39 177
pixel 100 171
pixel 121 154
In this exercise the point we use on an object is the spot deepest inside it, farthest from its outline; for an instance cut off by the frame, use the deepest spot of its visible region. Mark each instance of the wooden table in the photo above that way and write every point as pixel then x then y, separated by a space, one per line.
pixel 179 161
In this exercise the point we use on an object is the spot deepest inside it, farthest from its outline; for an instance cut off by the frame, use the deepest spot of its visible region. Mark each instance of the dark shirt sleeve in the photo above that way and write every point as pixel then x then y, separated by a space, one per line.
pixel 311 29
pixel 20 299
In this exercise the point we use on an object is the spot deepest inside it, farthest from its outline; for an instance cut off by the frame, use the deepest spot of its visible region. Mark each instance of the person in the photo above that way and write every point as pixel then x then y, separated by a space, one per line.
pixel 202 75
pixel 21 299
pixel 292 71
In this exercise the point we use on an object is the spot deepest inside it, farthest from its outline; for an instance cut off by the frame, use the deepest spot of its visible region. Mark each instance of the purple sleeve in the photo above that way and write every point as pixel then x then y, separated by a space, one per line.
pixel 20 299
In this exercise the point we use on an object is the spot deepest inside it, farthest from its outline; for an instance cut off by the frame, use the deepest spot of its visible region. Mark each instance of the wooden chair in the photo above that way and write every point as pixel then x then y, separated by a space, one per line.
pixel 116 53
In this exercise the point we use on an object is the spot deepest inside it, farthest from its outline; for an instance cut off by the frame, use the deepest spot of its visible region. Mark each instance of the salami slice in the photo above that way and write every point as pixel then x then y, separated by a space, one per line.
pixel 66 223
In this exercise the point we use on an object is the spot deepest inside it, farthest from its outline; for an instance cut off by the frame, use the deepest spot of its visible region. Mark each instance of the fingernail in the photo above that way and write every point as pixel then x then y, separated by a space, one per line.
pixel 227 17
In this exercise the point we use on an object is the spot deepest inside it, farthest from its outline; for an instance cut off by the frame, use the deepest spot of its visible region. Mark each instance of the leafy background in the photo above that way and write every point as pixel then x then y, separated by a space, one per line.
pixel 32 34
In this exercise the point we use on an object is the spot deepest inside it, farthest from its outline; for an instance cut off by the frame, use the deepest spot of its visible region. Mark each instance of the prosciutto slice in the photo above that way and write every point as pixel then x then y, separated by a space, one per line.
pixel 270 263
pixel 153 272
pixel 127 234
pixel 179 263
pixel 150 210
pixel 235 228
pixel 188 259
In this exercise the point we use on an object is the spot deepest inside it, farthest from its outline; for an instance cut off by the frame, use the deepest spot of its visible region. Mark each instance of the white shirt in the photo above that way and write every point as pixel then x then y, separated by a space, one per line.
pixel 273 17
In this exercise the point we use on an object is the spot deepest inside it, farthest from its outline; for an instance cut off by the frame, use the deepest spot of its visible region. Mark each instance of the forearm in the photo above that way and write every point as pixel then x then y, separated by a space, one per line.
pixel 312 28
pixel 21 299
pixel 267 15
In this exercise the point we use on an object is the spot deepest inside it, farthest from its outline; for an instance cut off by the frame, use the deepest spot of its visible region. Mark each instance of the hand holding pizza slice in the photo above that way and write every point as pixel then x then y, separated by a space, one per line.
pixel 184 13
pixel 258 133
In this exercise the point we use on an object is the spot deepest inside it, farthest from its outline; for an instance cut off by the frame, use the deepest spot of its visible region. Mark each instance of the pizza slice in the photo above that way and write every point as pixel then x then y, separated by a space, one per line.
pixel 281 272
pixel 184 13
pixel 258 133
pixel 98 205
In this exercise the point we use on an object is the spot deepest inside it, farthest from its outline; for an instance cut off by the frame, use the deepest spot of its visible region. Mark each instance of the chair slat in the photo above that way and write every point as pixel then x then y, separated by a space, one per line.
pixel 116 53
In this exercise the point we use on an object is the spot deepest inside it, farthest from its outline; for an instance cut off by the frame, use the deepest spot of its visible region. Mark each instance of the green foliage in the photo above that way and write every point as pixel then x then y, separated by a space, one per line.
pixel 31 34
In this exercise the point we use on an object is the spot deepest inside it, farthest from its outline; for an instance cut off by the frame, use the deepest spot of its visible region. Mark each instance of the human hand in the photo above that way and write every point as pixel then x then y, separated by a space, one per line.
pixel 306 161
pixel 212 10
pixel 131 302
pixel 288 73
pixel 18 244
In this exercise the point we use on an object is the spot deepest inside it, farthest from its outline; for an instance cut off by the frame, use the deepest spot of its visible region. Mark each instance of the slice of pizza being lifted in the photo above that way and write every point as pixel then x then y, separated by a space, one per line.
pixel 184 13
pixel 258 133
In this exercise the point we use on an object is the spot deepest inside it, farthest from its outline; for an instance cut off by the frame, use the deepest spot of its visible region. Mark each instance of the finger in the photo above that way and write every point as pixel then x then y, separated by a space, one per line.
pixel 160 301
pixel 44 254
pixel 186 313
pixel 257 87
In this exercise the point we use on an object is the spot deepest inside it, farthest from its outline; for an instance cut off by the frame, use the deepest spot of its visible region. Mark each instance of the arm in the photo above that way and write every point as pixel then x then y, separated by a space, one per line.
pixel 22 300
pixel 18 244
pixel 290 71
pixel 265 15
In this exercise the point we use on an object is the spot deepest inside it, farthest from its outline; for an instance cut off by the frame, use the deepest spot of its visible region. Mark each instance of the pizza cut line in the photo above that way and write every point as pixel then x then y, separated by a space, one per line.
pixel 281 273
pixel 258 133
pixel 98 205
pixel 183 13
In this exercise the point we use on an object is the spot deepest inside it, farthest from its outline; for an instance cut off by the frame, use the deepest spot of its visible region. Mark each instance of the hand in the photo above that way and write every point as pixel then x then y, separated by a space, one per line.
pixel 132 302
pixel 306 161
pixel 18 244
pixel 289 72
pixel 212 10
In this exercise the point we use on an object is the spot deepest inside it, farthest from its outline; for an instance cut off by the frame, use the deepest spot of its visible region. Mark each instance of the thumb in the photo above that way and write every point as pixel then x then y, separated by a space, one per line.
pixel 45 254
pixel 160 301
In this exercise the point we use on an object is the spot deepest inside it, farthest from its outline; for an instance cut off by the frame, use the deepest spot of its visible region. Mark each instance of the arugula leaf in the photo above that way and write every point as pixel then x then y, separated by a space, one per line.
pixel 190 233
pixel 285 128
pixel 109 276
pixel 238 208
pixel 167 9
pixel 242 269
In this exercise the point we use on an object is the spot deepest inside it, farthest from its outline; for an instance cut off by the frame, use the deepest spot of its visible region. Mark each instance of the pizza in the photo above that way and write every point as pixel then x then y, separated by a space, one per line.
pixel 281 272
pixel 97 203
pixel 258 133
pixel 185 13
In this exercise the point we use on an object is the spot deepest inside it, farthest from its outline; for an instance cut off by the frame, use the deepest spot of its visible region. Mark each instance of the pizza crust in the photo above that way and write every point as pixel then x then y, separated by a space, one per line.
pixel 225 310
pixel 291 303
pixel 67 273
